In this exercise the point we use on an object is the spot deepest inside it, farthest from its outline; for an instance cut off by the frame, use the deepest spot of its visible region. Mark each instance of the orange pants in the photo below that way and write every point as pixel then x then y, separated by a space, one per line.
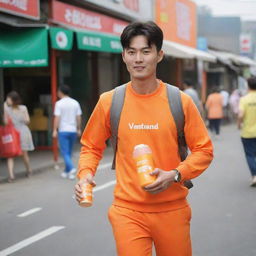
pixel 135 232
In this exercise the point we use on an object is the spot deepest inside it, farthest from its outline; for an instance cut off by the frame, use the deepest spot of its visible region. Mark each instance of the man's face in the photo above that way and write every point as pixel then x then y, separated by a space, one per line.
pixel 140 59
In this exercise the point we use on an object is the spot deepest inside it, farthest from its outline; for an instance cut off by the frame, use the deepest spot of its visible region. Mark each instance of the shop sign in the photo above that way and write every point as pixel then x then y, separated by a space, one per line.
pixel 61 39
pixel 132 5
pixel 98 42
pixel 25 8
pixel 245 43
pixel 129 4
pixel 177 18
pixel 134 9
pixel 23 48
pixel 80 18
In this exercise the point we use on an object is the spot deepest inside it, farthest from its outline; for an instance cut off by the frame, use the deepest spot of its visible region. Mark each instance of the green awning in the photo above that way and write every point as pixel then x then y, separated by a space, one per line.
pixel 98 42
pixel 23 48
pixel 61 39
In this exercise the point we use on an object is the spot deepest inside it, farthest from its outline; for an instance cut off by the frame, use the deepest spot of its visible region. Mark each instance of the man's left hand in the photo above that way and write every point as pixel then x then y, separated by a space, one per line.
pixel 164 180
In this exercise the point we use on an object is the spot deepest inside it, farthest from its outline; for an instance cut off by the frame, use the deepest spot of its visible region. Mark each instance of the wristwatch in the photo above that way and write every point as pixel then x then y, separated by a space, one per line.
pixel 177 176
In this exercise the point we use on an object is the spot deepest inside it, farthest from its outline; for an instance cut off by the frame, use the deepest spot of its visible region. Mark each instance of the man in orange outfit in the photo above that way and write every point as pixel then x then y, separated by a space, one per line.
pixel 159 213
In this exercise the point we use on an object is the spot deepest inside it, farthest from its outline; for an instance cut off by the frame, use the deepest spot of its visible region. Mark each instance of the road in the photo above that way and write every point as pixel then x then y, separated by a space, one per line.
pixel 223 222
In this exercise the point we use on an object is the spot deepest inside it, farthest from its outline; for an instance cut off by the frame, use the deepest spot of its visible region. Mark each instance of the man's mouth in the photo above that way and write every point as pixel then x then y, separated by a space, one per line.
pixel 139 68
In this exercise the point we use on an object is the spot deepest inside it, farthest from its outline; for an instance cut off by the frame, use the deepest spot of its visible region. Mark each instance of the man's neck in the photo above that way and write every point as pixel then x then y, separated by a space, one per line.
pixel 146 86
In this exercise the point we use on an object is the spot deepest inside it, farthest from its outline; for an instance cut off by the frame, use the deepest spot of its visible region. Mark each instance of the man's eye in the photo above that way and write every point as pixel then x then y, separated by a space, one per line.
pixel 146 52
pixel 130 52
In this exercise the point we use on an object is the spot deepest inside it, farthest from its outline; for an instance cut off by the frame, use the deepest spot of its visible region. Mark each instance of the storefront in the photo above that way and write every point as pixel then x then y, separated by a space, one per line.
pixel 24 61
pixel 183 61
pixel 92 65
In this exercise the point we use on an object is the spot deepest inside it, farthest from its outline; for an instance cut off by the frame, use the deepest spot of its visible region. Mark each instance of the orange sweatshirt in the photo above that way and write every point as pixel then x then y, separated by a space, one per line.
pixel 214 106
pixel 146 119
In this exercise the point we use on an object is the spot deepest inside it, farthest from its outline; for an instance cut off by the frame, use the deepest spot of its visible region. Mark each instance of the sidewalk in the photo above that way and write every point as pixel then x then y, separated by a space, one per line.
pixel 42 161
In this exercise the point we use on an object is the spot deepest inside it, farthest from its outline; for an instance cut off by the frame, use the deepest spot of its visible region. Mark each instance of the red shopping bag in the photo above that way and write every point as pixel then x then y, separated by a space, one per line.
pixel 9 141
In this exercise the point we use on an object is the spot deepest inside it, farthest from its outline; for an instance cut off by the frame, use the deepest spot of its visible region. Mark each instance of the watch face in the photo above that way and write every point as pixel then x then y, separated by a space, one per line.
pixel 177 176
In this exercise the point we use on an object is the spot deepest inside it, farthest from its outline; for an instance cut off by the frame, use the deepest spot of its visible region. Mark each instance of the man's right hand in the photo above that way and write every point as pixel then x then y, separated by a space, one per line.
pixel 78 186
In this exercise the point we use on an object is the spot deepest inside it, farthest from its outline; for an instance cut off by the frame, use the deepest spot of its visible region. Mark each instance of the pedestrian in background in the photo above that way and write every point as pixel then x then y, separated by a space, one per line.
pixel 20 118
pixel 234 103
pixel 214 107
pixel 158 213
pixel 67 126
pixel 225 96
pixel 247 124
pixel 189 90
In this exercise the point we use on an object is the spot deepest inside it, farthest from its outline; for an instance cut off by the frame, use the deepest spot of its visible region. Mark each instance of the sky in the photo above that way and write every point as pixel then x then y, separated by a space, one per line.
pixel 246 9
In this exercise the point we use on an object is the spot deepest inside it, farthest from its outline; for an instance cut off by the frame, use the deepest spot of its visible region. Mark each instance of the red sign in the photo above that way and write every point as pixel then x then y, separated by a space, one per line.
pixel 245 43
pixel 25 8
pixel 80 18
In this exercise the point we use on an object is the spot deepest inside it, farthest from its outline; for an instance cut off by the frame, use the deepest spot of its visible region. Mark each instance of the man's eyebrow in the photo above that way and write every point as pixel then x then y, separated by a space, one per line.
pixel 144 48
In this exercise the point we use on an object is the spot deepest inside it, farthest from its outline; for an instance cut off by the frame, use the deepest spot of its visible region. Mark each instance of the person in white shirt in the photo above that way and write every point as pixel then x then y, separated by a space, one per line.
pixel 225 96
pixel 67 126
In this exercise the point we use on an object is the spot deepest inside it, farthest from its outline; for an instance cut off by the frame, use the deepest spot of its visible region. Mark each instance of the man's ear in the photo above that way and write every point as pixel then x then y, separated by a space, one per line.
pixel 160 56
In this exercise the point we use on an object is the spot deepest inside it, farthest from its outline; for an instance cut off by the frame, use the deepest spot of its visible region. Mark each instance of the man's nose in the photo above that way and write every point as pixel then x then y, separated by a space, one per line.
pixel 138 57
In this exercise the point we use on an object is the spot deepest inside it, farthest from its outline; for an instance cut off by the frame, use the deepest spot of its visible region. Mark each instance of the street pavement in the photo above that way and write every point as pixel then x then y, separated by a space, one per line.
pixel 223 204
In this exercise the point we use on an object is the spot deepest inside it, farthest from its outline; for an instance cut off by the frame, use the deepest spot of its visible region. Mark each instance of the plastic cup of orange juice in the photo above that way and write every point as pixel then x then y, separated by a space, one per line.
pixel 143 157
pixel 87 199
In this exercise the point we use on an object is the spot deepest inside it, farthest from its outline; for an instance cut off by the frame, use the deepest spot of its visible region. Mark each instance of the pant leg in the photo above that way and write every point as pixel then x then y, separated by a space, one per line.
pixel 63 146
pixel 71 138
pixel 211 125
pixel 214 125
pixel 217 126
pixel 250 153
pixel 65 149
pixel 130 231
pixel 171 232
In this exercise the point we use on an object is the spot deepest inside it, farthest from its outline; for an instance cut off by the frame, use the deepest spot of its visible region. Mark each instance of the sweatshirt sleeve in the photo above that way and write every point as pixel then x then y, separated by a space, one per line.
pixel 93 141
pixel 198 142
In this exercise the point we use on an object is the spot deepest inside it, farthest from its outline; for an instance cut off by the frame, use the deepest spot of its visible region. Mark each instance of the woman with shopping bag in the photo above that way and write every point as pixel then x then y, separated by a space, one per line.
pixel 17 114
pixel 9 140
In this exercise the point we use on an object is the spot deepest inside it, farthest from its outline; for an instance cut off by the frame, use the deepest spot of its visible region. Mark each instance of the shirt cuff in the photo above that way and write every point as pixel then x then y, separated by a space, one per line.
pixel 83 173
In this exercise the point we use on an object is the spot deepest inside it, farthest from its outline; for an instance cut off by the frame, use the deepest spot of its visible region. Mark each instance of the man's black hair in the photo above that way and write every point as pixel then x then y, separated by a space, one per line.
pixel 65 89
pixel 149 29
pixel 215 89
pixel 15 97
pixel 188 82
pixel 252 82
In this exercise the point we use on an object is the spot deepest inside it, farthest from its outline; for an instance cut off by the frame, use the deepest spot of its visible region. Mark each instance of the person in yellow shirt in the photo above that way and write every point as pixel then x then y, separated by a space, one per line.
pixel 158 213
pixel 247 124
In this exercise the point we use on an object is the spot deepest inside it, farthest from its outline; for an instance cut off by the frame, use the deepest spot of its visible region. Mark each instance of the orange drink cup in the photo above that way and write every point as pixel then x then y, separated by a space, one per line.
pixel 87 195
pixel 142 155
